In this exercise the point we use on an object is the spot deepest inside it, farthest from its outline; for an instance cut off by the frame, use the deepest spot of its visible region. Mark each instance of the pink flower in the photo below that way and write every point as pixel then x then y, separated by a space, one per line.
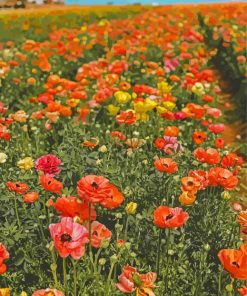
pixel 69 238
pixel 214 112
pixel 49 164
pixel 217 128
pixel 99 233
pixel 180 115
pixel 46 292
pixel 171 144
pixel 126 283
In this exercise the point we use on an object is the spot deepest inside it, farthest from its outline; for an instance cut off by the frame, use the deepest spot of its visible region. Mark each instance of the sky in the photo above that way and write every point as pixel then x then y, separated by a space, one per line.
pixel 98 2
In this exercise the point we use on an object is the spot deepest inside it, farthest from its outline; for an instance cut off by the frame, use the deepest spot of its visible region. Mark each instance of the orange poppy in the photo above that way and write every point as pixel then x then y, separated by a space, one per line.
pixel 243 291
pixel 235 261
pixel 165 217
pixel 114 200
pixel 30 197
pixel 171 131
pixel 126 117
pixel 166 165
pixel 242 218
pixel 190 184
pixel 17 187
pixel 124 85
pixel 119 135
pixel 50 184
pixel 187 198
pixel 99 234
pixel 219 143
pixel 199 137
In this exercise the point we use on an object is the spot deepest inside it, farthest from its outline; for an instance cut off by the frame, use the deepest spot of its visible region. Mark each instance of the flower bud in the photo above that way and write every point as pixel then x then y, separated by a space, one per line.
pixel 113 259
pixel 131 208
pixel 102 261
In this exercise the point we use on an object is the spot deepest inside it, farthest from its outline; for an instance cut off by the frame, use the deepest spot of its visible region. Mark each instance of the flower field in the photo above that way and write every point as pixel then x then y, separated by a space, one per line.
pixel 116 174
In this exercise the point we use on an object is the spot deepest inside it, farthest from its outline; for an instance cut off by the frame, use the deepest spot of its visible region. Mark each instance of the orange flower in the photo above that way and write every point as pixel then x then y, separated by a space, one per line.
pixel 199 137
pixel 190 184
pixel 235 261
pixel 71 206
pixel 165 217
pixel 114 200
pixel 119 135
pixel 171 131
pixel 50 184
pixel 91 144
pixel 243 291
pixel 48 292
pixel 94 189
pixel 166 165
pixel 99 234
pixel 242 218
pixel 126 117
pixel 17 187
pixel 124 85
pixel 30 197
pixel 187 198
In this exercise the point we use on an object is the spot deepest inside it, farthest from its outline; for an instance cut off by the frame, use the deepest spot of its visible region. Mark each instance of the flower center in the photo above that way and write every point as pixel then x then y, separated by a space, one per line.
pixel 95 185
pixel 190 183
pixel 235 264
pixel 169 217
pixel 66 237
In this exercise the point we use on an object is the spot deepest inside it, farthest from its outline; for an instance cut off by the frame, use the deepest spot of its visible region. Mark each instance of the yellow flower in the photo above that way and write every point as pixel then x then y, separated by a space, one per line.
pixel 103 149
pixel 3 157
pixel 84 28
pixel 169 105
pixel 122 97
pixel 226 195
pixel 142 116
pixel 161 109
pixel 5 292
pixel 131 208
pixel 112 109
pixel 164 87
pixel 198 89
pixel 25 163
pixel 23 293
pixel 134 95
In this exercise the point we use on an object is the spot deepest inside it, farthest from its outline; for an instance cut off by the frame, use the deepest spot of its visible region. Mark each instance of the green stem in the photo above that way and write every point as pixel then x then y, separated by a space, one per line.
pixel 219 282
pixel 16 212
pixel 75 277
pixel 158 253
pixel 109 278
pixel 126 229
pixel 54 268
pixel 64 275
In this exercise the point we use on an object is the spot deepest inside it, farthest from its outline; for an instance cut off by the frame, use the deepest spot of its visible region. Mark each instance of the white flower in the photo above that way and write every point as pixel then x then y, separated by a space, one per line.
pixel 3 157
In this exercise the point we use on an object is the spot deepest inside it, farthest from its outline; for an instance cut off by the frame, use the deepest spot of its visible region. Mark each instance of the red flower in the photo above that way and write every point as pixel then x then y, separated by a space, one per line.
pixel 126 117
pixel 30 197
pixel 229 160
pixel 48 164
pixel 119 135
pixel 69 238
pixel 222 177
pixel 219 143
pixel 70 206
pixel 243 291
pixel 94 188
pixel 211 156
pixel 199 137
pixel 114 200
pixel 169 217
pixel 166 165
pixel 160 143
pixel 50 184
pixel 17 187
pixel 99 234
pixel 216 128
pixel 235 262
pixel 3 256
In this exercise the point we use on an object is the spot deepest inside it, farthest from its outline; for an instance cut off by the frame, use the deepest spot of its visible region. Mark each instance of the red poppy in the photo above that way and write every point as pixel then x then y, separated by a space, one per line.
pixel 160 143
pixel 126 117
pixel 119 135
pixel 219 143
pixel 229 160
pixel 50 184
pixel 210 156
pixel 199 137
pixel 114 200
pixel 30 197
pixel 243 291
pixel 235 261
pixel 17 187
pixel 94 188
pixel 166 165
pixel 222 177
pixel 3 256
pixel 165 217
pixel 70 206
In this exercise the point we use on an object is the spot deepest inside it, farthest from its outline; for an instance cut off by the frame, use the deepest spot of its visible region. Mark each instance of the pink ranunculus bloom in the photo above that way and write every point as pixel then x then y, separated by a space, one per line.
pixel 216 128
pixel 214 112
pixel 171 144
pixel 49 164
pixel 69 238
pixel 126 283
pixel 99 234
pixel 48 292
pixel 179 115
